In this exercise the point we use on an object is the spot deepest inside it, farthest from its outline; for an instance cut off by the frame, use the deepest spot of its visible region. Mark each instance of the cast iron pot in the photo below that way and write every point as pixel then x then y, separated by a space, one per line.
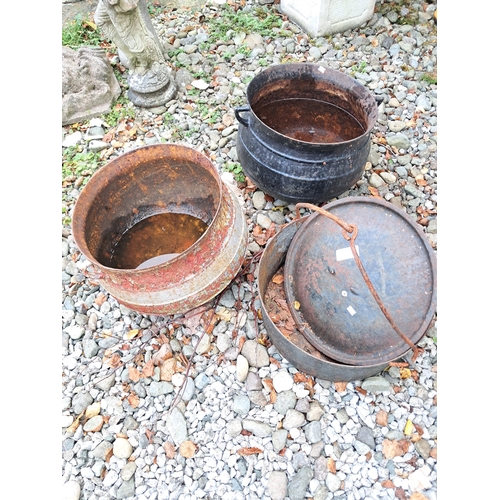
pixel 297 170
pixel 153 180
pixel 296 348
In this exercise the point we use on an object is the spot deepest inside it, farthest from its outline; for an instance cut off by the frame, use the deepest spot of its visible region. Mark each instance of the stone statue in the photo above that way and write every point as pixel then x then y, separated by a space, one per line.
pixel 127 24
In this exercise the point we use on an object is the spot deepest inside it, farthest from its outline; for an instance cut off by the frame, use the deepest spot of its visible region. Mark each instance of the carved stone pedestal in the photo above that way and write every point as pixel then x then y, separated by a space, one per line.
pixel 128 25
pixel 154 88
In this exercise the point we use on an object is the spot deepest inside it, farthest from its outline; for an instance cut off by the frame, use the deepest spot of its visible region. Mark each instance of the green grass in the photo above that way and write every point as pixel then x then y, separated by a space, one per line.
pixel 120 111
pixel 235 169
pixel 81 32
pixel 359 67
pixel 407 14
pixel 259 20
pixel 430 78
pixel 76 163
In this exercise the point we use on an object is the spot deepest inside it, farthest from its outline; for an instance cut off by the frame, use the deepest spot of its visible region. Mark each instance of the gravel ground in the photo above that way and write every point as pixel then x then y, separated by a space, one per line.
pixel 125 434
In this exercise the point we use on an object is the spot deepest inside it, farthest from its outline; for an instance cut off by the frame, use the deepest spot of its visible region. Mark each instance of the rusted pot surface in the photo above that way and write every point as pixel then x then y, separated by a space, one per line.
pixel 296 348
pixel 333 301
pixel 149 182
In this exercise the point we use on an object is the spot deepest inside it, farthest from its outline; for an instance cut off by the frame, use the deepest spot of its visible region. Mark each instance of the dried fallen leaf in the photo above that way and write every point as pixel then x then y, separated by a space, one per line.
pixel 382 418
pixel 278 279
pixel 296 305
pixel 340 386
pixel 167 370
pixel 133 400
pixel 100 299
pixel 405 373
pixel 362 391
pixel 164 353
pixel 93 410
pixel 108 456
pixel 187 449
pixel 249 451
pixel 134 374
pixel 224 314
pixel 374 191
pixel 131 334
pixel 114 361
pixel 418 496
pixel 394 448
pixel 275 361
pixel 299 377
pixel 309 385
pixel 332 467
pixel 409 428
pixel 269 383
pixel 169 449
pixel 388 484
pixel 400 493
pixel 148 369
pixel 72 428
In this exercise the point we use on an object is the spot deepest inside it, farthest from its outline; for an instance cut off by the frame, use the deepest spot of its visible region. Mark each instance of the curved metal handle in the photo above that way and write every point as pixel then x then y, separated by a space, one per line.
pixel 352 228
pixel 242 109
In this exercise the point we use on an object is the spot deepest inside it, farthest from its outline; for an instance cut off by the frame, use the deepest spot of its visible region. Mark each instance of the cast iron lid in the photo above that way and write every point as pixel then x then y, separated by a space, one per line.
pixel 329 298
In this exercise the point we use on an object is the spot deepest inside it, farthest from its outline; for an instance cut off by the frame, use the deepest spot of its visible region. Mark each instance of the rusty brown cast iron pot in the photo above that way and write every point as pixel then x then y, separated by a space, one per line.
pixel 151 180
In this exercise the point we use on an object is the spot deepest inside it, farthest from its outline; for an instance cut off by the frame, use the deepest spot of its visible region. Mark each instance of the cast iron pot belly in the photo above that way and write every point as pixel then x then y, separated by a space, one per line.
pixel 296 348
pixel 305 134
pixel 153 180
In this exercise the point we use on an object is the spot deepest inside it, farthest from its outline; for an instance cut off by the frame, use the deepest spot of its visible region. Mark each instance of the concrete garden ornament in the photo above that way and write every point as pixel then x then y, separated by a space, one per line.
pixel 127 24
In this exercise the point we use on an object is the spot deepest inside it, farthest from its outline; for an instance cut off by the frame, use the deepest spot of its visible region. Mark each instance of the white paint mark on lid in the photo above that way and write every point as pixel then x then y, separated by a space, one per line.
pixel 345 253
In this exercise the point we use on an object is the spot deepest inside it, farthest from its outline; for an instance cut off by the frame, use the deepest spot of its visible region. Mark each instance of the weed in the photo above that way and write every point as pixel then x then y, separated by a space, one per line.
pixel 430 78
pixel 120 111
pixel 168 119
pixel 243 49
pixel 154 9
pixel 208 114
pixel 77 163
pixel 406 15
pixel 235 169
pixel 174 53
pixel 81 32
pixel 259 20
pixel 202 75
pixel 359 67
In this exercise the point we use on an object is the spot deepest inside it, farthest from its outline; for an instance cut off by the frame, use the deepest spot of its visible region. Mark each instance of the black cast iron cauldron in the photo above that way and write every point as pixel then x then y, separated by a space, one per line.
pixel 305 134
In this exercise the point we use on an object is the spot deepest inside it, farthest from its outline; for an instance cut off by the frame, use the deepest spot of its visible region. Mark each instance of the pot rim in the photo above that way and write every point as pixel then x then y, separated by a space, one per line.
pixel 400 347
pixel 82 205
pixel 371 117
pixel 329 368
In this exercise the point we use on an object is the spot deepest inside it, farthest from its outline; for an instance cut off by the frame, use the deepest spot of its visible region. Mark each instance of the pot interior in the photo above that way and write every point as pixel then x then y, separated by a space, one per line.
pixel 147 206
pixel 309 103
